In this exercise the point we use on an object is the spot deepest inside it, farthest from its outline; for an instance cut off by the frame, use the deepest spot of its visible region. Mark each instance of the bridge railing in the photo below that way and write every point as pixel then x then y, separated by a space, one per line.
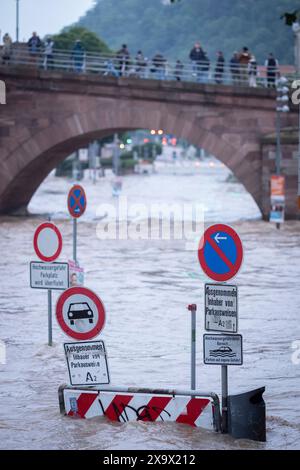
pixel 117 66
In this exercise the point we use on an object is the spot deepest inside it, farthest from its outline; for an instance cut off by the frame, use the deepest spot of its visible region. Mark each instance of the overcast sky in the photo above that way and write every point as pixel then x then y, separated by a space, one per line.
pixel 43 16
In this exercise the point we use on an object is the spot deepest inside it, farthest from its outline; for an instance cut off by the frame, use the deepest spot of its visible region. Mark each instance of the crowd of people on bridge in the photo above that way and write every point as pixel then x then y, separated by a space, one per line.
pixel 241 69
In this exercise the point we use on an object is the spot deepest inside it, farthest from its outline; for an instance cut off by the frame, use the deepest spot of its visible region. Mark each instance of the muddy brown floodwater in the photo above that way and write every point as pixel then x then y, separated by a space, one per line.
pixel 145 286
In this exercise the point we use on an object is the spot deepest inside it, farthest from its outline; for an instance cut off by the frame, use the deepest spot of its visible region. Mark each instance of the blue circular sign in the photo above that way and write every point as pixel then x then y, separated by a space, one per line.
pixel 220 252
pixel 77 201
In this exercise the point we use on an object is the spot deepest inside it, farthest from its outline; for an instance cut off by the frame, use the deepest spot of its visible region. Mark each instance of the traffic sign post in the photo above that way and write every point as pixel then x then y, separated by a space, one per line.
pixel 75 240
pixel 87 363
pixel 49 317
pixel 223 350
pixel 220 256
pixel 80 313
pixel 76 206
pixel 47 243
pixel 193 308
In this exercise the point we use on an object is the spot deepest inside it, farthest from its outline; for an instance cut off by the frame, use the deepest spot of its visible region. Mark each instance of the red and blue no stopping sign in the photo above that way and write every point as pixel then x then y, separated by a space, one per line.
pixel 220 252
pixel 76 201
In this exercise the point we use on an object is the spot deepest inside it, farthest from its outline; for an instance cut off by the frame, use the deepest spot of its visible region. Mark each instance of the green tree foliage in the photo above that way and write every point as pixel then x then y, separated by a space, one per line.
pixel 89 40
pixel 173 27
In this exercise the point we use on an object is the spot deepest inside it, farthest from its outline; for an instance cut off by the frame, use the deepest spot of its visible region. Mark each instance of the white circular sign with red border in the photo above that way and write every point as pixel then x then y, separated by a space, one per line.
pixel 80 313
pixel 47 242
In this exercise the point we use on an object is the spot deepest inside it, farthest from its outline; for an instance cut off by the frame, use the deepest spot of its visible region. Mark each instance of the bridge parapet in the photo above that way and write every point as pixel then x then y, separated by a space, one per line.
pixel 51 113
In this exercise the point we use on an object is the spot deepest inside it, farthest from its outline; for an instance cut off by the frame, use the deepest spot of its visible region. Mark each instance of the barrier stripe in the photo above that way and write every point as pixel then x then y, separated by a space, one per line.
pixel 194 409
pixel 118 403
pixel 84 402
pixel 154 408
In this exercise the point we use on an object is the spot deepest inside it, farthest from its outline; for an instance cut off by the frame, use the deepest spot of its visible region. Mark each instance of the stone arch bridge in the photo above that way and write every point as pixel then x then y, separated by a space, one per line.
pixel 50 114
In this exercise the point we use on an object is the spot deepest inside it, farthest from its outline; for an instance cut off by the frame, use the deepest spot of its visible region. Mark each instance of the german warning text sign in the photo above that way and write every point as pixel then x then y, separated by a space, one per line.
pixel 49 275
pixel 87 363
pixel 221 307
pixel 224 350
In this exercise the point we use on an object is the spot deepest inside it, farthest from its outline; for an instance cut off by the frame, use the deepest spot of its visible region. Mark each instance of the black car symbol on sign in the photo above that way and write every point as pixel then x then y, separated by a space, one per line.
pixel 223 349
pixel 79 311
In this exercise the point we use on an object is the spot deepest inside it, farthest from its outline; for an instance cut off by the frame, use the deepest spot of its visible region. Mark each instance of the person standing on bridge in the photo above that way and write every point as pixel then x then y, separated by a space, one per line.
pixel 140 64
pixel 271 65
pixel 244 59
pixel 159 66
pixel 34 45
pixel 252 71
pixel 219 69
pixel 78 53
pixel 123 57
pixel 178 70
pixel 197 57
pixel 48 60
pixel 7 49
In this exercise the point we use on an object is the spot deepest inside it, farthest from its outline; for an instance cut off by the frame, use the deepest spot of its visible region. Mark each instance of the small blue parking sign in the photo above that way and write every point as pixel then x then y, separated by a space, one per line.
pixel 77 201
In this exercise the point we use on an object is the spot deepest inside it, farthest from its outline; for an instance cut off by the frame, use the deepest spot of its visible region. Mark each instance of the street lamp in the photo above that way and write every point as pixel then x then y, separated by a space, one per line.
pixel 17 19
pixel 281 107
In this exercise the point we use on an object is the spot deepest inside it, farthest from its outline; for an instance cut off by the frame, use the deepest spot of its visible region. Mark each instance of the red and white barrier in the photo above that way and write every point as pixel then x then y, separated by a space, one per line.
pixel 124 406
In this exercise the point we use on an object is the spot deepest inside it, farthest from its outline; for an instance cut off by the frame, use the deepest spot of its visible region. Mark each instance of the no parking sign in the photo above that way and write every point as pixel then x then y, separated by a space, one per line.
pixel 77 201
pixel 220 252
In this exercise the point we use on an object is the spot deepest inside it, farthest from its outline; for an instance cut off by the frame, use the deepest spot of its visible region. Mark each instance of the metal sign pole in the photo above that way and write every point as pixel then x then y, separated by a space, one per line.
pixel 192 308
pixel 75 239
pixel 17 20
pixel 49 317
pixel 224 380
pixel 299 159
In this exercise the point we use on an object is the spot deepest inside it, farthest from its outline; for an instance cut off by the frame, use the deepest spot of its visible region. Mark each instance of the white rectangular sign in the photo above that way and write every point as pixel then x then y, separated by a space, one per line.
pixel 87 363
pixel 221 308
pixel 49 275
pixel 224 350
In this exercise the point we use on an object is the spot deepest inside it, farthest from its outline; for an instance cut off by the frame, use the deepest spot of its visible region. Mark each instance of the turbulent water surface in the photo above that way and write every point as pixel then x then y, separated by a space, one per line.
pixel 145 286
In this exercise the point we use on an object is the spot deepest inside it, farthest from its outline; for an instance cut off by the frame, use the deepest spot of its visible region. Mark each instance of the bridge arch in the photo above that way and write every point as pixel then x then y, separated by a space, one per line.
pixel 33 159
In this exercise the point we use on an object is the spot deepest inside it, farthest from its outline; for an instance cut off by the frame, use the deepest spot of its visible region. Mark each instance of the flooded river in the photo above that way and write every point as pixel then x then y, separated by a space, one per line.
pixel 145 286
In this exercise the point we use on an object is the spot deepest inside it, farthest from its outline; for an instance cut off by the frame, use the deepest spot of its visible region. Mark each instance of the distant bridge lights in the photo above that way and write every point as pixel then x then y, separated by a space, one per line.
pixel 158 132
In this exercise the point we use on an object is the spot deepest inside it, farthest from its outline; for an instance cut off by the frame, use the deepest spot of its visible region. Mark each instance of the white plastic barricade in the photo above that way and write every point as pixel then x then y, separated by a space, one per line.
pixel 136 404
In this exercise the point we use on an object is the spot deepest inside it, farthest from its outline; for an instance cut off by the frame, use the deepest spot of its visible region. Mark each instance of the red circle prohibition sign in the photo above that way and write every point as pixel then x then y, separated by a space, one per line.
pixel 90 295
pixel 47 225
pixel 209 237
pixel 75 202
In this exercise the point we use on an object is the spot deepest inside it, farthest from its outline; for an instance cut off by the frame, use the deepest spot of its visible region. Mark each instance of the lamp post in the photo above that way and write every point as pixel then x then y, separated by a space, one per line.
pixel 281 107
pixel 17 19
pixel 296 30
